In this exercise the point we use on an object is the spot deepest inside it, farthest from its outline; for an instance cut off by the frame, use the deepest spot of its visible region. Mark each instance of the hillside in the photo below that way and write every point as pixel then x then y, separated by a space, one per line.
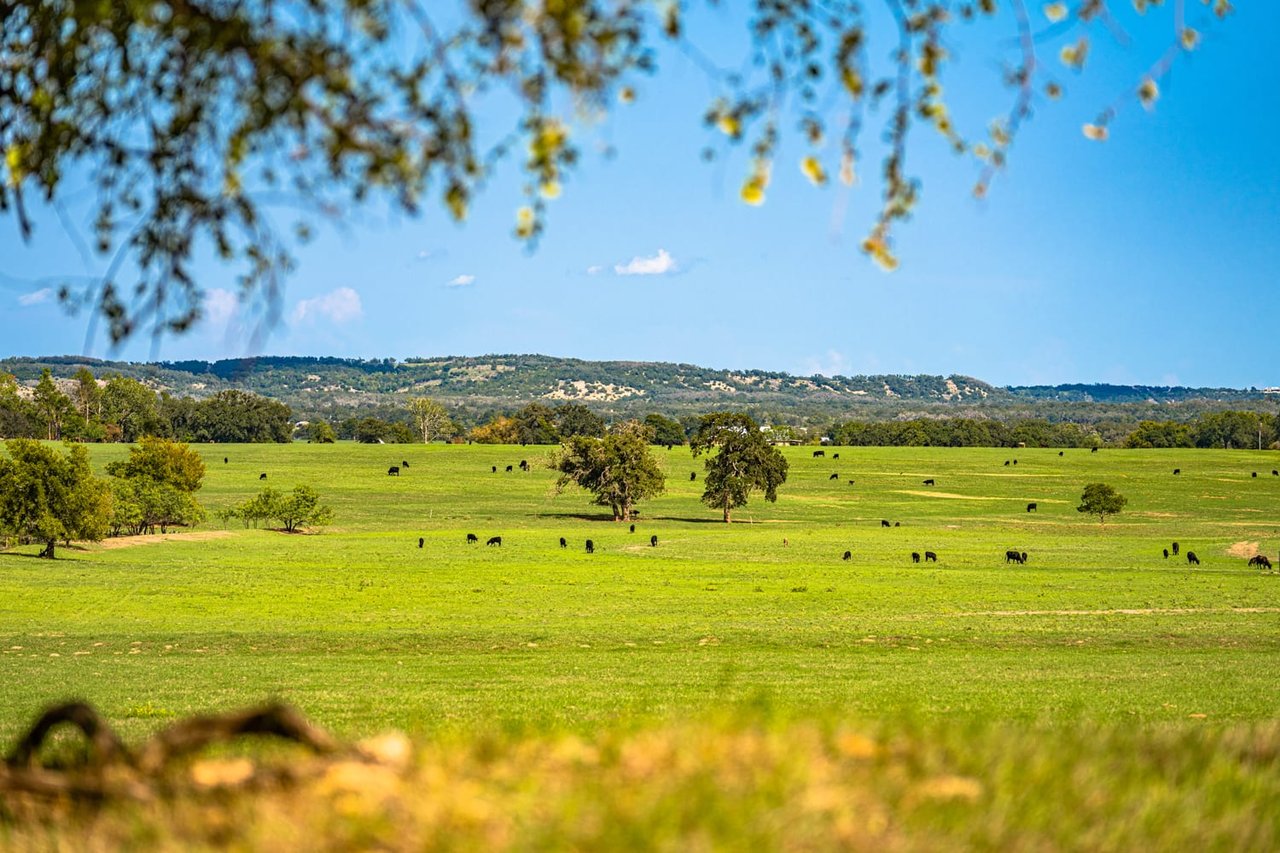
pixel 498 382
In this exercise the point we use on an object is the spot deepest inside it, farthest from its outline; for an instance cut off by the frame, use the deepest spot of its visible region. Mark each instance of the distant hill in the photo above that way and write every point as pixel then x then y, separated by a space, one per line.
pixel 499 382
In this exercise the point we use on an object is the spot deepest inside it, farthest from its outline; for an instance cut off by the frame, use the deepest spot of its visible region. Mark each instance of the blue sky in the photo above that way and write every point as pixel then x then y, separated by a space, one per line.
pixel 1150 258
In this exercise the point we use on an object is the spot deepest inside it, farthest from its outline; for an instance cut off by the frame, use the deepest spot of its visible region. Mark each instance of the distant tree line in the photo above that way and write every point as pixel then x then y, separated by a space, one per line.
pixel 123 409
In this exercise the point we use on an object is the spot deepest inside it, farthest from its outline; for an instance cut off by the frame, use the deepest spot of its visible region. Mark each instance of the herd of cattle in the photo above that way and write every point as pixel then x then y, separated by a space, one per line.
pixel 1010 556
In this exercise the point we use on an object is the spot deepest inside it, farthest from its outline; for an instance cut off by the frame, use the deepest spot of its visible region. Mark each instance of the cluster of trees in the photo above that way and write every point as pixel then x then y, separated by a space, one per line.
pixel 47 497
pixel 292 511
pixel 124 409
pixel 1238 430
pixel 618 467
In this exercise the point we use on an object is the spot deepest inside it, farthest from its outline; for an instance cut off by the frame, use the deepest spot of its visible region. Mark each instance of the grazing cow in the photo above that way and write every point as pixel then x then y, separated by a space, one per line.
pixel 1275 473
pixel 591 547
pixel 851 482
pixel 1166 553
pixel 818 453
pixel 495 469
pixel 563 544
pixel 1031 507
pixel 1024 557
pixel 1093 450
pixel 225 460
pixel 693 475
pixel 1015 462
pixel 930 557
pixel 1261 562
pixel 835 455
pixel 524 464
pixel 653 541
pixel 262 476
pixel 834 477
pixel 1255 473
pixel 928 482
pixel 847 555
pixel 420 541
pixel 472 539
pixel 915 558
pixel 1015 557
pixel 633 528
pixel 404 464
pixel 897 524
pixel 884 523
pixel 1175 549
pixel 393 471
pixel 1192 559
pixel 1006 463
pixel 1059 452
pixel 509 469
pixel 1177 471
pixel 495 540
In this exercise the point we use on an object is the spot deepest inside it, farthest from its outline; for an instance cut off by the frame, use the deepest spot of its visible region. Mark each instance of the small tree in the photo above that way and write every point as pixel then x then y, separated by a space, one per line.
pixel 1101 500
pixel 746 462
pixel 618 469
pixel 430 417
pixel 47 497
pixel 319 432
pixel 294 511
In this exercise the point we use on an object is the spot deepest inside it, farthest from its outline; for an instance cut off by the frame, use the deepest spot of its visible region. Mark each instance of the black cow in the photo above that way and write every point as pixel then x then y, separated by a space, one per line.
pixel 653 541
pixel 928 482
pixel 591 547
pixel 834 477
pixel 1166 553
pixel 225 460
pixel 633 528
pixel 404 464
pixel 524 464
pixel 1192 559
pixel 1261 562
pixel 393 471
pixel 1031 507
pixel 693 475
pixel 472 539
pixel 262 476
pixel 1177 471
pixel 509 469
pixel 1024 557
pixel 851 482
pixel 495 540
pixel 1175 549
pixel 1255 473
pixel 1015 462
pixel 1093 450
pixel 884 523
pixel 495 469
pixel 1059 452
pixel 930 557
pixel 897 524
pixel 915 558
pixel 563 544
pixel 1014 557
pixel 818 453
pixel 1275 473
pixel 420 541
pixel 847 555
pixel 1006 463
pixel 835 455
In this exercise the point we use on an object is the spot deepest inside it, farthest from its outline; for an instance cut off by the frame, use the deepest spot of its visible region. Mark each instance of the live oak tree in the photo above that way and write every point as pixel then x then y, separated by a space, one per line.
pixel 156 486
pixel 294 511
pixel 1101 500
pixel 48 497
pixel 618 468
pixel 430 417
pixel 197 121
pixel 743 461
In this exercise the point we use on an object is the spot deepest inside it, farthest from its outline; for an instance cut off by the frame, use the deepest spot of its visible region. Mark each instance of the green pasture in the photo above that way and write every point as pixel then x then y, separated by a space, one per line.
pixel 363 630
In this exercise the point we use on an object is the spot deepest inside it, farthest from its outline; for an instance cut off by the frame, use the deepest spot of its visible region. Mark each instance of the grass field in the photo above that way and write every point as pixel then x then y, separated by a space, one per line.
pixel 363 631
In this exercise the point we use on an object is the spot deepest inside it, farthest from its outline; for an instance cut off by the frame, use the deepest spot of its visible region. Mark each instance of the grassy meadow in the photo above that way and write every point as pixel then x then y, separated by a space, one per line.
pixel 1098 640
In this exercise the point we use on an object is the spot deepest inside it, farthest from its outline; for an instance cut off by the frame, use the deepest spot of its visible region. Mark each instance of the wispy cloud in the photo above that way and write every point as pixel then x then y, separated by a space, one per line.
pixel 831 363
pixel 36 297
pixel 338 306
pixel 220 307
pixel 464 280
pixel 660 264
pixel 595 269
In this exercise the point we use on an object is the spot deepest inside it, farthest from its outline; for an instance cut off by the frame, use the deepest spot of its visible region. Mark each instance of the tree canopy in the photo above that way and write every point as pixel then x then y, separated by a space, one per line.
pixel 196 121
pixel 47 497
pixel 1101 500
pixel 618 468
pixel 745 461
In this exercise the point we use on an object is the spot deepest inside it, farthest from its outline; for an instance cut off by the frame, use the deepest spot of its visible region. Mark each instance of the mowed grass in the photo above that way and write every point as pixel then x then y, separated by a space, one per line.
pixel 363 630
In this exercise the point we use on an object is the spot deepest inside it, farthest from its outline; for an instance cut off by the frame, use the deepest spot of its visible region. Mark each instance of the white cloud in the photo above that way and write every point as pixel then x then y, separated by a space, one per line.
pixel 36 297
pixel 659 264
pixel 464 280
pixel 338 306
pixel 220 307
pixel 595 269
pixel 832 363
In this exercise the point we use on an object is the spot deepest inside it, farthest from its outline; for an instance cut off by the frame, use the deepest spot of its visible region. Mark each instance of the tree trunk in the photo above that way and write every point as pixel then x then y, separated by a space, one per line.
pixel 48 549
pixel 728 510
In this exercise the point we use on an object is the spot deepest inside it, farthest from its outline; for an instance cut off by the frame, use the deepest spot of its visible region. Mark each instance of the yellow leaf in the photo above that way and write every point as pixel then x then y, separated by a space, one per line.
pixel 1096 132
pixel 1055 12
pixel 1148 93
pixel 753 191
pixel 1190 38
pixel 813 170
pixel 729 125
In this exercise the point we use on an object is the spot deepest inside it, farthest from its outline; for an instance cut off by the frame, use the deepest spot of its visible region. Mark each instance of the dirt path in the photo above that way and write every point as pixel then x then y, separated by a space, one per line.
pixel 152 538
